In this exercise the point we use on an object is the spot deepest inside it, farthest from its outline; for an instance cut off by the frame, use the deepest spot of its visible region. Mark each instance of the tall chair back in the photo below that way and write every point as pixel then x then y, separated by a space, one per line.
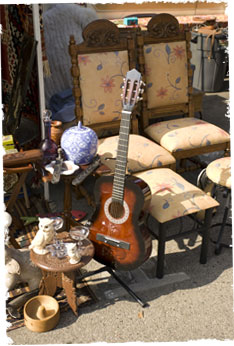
pixel 164 62
pixel 99 65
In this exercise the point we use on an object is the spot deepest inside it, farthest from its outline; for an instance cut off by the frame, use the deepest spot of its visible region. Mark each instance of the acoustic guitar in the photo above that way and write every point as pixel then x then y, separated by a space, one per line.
pixel 120 241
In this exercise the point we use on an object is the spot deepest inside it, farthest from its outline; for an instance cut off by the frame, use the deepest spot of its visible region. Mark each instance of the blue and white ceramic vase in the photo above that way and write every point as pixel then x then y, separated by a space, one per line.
pixel 80 144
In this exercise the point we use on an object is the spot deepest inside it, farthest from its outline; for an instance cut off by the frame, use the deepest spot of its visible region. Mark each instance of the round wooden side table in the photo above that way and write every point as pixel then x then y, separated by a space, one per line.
pixel 58 272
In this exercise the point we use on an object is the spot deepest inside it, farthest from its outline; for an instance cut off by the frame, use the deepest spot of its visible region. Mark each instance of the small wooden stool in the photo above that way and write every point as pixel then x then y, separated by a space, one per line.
pixel 173 197
pixel 58 272
pixel 219 173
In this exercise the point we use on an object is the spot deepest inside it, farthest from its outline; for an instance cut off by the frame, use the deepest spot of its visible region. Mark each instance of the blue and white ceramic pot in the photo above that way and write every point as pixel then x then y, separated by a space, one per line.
pixel 80 144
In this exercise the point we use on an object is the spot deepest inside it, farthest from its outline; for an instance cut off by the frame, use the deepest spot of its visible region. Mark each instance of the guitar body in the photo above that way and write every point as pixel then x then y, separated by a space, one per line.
pixel 119 241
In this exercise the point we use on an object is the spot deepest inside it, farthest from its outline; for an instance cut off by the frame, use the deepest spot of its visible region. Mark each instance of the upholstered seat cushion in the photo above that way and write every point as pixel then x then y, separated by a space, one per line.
pixel 173 196
pixel 186 133
pixel 142 153
pixel 219 171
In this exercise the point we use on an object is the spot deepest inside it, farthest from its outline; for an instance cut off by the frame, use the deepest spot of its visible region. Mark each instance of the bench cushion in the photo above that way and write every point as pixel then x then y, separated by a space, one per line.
pixel 173 196
pixel 142 153
pixel 186 133
pixel 219 171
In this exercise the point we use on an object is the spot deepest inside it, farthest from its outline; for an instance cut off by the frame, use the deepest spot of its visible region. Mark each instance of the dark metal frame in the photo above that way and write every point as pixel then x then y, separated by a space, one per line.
pixel 223 224
pixel 202 228
pixel 116 277
pixel 203 180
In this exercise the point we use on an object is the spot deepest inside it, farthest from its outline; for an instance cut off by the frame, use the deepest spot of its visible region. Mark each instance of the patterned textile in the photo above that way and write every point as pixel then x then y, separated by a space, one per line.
pixel 166 73
pixel 9 181
pixel 173 196
pixel 219 171
pixel 143 153
pixel 186 133
pixel 16 20
pixel 101 99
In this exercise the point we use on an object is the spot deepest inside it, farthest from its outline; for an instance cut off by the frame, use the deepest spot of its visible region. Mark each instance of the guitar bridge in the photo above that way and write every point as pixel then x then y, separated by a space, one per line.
pixel 112 241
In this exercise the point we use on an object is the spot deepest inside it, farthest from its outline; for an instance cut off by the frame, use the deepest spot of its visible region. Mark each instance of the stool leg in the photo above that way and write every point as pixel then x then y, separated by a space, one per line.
pixel 68 283
pixel 226 210
pixel 161 250
pixel 206 235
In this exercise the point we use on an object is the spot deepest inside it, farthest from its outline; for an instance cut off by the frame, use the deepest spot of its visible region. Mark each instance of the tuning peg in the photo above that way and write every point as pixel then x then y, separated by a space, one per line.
pixel 141 91
pixel 139 98
pixel 142 83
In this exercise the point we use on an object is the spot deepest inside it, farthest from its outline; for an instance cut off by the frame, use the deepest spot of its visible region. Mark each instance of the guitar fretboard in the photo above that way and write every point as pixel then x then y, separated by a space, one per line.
pixel 121 160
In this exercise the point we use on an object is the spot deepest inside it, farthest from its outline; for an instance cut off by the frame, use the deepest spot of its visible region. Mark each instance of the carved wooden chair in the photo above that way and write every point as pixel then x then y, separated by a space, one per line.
pixel 164 62
pixel 99 65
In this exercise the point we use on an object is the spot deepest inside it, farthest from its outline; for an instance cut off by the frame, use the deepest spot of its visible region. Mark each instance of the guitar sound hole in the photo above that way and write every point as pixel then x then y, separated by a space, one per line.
pixel 116 210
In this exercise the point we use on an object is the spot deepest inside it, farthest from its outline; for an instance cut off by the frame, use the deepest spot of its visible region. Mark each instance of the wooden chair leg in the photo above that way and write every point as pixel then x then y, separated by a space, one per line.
pixel 161 250
pixel 27 202
pixel 15 192
pixel 206 235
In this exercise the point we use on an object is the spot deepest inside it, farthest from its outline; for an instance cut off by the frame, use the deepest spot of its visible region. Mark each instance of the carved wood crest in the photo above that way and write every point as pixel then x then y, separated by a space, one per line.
pixel 101 33
pixel 163 25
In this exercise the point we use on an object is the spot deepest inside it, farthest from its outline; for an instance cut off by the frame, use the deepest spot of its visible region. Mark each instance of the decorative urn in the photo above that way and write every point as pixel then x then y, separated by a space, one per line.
pixel 80 144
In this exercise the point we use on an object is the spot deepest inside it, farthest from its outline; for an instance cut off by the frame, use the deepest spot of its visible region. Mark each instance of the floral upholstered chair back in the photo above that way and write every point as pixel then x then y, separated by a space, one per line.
pixel 164 61
pixel 99 65
pixel 101 79
pixel 166 73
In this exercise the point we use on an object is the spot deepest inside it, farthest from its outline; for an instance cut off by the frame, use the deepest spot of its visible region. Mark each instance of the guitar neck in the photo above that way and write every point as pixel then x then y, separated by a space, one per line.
pixel 121 160
pixel 131 91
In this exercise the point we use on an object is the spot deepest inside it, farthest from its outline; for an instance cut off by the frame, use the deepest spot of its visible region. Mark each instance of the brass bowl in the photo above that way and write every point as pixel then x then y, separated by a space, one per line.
pixel 41 313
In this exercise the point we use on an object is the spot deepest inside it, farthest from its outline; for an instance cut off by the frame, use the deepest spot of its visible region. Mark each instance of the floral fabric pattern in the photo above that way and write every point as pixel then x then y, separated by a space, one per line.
pixel 172 196
pixel 166 73
pixel 143 153
pixel 219 171
pixel 186 133
pixel 101 80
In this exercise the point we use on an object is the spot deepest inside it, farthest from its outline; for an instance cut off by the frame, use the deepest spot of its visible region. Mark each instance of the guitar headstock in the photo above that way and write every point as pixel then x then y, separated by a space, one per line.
pixel 132 89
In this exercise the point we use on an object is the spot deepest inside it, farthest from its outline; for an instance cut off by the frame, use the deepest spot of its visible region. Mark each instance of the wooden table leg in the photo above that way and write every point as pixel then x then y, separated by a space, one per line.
pixel 67 205
pixel 68 282
pixel 49 282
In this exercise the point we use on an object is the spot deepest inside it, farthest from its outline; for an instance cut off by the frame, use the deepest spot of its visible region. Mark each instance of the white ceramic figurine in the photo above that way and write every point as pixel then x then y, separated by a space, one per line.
pixel 73 253
pixel 7 220
pixel 19 268
pixel 44 236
